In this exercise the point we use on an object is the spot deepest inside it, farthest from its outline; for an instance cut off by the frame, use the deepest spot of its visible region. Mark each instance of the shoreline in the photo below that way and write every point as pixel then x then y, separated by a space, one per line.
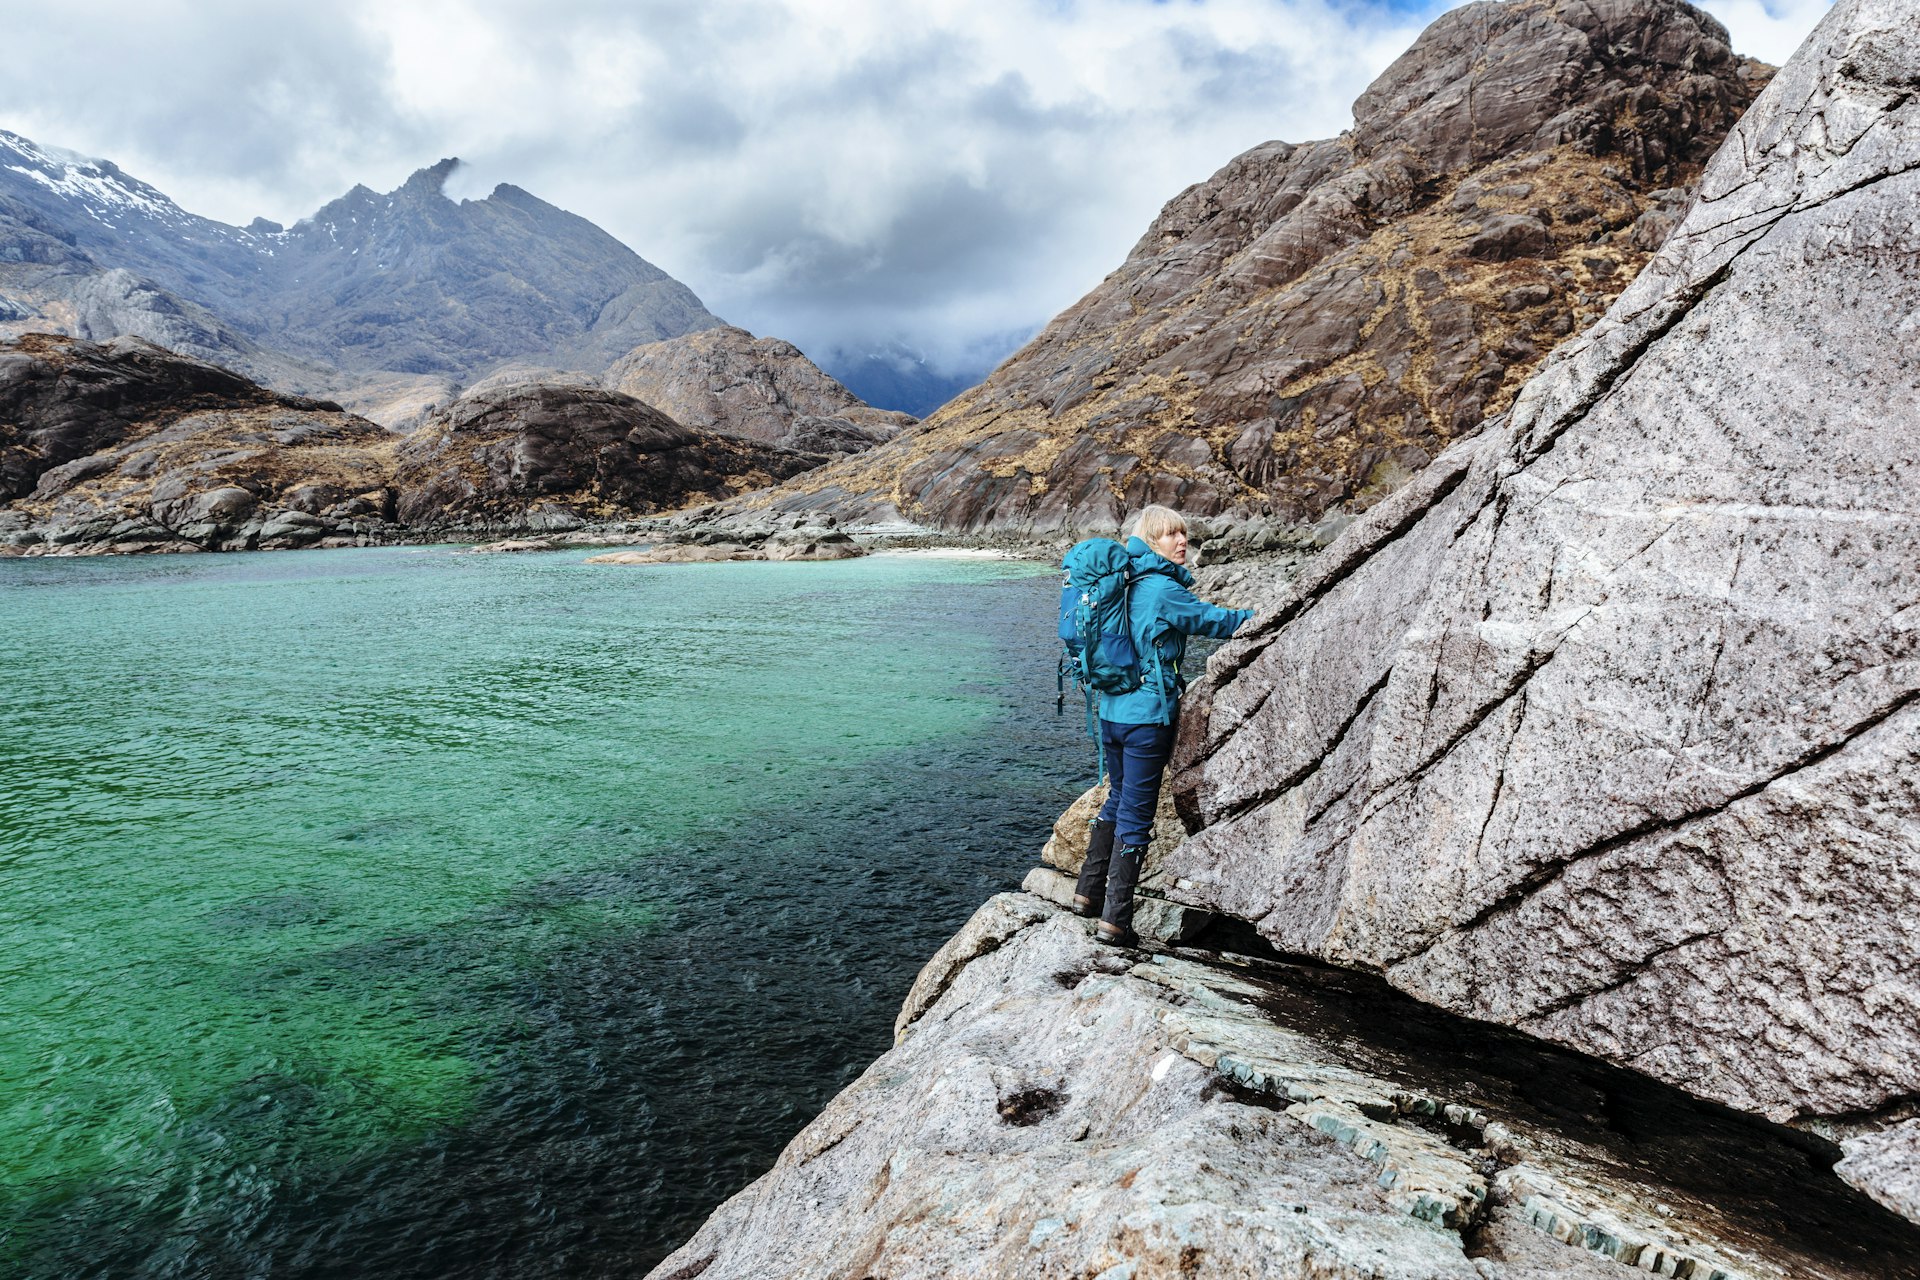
pixel 1250 566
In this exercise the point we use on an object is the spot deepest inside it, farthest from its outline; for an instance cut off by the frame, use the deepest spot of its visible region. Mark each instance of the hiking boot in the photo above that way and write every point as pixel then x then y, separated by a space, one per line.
pixel 1090 893
pixel 1122 875
pixel 1116 922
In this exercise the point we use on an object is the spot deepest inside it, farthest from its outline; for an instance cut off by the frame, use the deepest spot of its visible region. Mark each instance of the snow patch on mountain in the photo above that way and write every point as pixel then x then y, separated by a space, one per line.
pixel 98 186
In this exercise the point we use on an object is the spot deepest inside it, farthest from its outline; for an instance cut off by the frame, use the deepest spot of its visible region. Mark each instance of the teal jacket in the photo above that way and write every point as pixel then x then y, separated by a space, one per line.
pixel 1162 612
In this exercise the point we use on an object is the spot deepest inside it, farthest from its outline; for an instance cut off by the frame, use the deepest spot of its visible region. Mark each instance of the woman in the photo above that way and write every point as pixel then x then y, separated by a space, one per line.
pixel 1137 728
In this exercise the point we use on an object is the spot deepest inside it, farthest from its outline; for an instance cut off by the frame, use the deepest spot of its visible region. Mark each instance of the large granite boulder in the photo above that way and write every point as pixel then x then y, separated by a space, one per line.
pixel 1606 726
pixel 1313 324
pixel 726 380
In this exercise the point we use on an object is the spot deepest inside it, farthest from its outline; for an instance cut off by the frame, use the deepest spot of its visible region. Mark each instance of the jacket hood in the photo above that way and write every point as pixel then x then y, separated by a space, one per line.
pixel 1147 560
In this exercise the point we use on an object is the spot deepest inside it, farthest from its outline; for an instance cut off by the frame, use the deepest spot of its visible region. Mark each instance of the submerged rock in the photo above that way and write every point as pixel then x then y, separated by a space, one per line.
pixel 1055 1108
pixel 1608 726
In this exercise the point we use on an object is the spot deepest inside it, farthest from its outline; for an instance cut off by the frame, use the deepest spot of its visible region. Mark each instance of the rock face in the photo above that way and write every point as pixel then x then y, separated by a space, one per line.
pixel 1607 726
pixel 726 380
pixel 588 452
pixel 126 447
pixel 1315 323
pixel 1055 1108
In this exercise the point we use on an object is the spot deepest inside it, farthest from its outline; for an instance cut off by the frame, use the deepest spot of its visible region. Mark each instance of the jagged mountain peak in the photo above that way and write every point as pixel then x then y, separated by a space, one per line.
pixel 406 281
pixel 433 178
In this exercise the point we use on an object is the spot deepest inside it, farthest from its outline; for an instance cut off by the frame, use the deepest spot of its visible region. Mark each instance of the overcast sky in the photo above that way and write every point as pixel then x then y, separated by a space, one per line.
pixel 944 173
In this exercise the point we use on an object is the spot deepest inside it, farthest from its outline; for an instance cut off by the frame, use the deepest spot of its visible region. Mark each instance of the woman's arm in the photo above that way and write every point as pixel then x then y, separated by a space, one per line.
pixel 1184 611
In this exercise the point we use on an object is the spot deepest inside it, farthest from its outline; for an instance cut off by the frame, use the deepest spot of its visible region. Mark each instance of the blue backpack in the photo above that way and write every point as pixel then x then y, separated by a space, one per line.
pixel 1095 630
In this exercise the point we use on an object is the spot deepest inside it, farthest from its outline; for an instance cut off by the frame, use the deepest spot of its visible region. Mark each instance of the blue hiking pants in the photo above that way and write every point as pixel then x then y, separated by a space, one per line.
pixel 1137 756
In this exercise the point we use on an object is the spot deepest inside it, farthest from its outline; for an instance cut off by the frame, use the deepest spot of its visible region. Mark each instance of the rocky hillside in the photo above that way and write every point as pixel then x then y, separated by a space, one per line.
pixel 1607 726
pixel 125 446
pixel 1316 322
pixel 725 379
pixel 578 453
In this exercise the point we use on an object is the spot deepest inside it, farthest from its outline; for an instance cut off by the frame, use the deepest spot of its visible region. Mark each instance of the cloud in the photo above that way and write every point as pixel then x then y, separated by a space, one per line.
pixel 842 173
pixel 228 114
pixel 1770 30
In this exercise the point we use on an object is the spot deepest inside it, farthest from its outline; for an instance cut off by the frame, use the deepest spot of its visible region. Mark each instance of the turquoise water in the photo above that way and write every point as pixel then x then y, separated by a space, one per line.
pixel 450 914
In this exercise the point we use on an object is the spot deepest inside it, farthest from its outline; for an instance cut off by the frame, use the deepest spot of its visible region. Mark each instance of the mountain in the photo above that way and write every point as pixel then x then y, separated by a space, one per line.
pixel 729 381
pixel 69 226
pixel 1310 326
pixel 392 304
pixel 414 282
pixel 408 281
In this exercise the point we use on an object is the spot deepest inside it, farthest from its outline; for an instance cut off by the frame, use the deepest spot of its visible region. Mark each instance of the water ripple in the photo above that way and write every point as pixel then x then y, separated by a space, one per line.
pixel 414 914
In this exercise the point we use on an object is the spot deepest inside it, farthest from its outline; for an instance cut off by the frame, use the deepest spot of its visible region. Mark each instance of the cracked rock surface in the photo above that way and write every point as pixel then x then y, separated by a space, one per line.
pixel 1605 727
pixel 1056 1108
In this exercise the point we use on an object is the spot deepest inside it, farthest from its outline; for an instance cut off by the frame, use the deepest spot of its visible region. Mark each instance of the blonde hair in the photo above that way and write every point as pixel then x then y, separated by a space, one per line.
pixel 1156 522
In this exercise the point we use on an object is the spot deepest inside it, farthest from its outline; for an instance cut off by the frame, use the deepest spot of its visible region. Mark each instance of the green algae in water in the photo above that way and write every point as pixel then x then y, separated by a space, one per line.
pixel 279 833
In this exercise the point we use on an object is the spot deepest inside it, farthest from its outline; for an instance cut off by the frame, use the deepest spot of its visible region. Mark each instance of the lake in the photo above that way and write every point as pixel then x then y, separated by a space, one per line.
pixel 414 913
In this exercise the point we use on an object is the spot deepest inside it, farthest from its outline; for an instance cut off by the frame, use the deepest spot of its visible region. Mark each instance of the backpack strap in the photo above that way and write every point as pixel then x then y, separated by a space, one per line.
pixel 1099 739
